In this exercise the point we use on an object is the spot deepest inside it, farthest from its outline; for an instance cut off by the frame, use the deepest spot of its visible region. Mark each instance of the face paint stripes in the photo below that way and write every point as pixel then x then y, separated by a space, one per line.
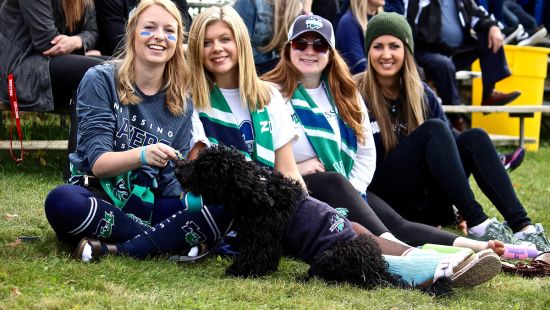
pixel 171 37
pixel 146 33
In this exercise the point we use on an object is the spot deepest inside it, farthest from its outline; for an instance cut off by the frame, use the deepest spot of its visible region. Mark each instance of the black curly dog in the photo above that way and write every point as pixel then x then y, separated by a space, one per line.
pixel 273 215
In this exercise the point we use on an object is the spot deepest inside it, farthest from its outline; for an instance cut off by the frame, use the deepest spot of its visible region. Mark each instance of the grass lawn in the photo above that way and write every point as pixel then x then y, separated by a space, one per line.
pixel 41 274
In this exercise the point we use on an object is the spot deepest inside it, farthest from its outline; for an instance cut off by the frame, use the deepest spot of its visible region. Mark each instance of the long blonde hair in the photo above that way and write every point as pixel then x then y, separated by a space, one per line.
pixel 284 13
pixel 412 111
pixel 359 10
pixel 176 72
pixel 74 11
pixel 251 89
pixel 340 83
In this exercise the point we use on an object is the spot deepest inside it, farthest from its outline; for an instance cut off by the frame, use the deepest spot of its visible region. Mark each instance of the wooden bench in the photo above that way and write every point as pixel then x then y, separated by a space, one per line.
pixel 519 111
pixel 31 144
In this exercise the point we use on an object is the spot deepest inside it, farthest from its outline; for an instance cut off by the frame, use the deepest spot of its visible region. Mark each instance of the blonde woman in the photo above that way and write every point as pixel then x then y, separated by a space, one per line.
pixel 267 22
pixel 134 118
pixel 350 32
pixel 225 80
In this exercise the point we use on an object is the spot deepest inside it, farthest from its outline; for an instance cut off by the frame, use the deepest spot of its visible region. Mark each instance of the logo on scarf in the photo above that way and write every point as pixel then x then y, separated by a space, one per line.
pixel 336 223
pixel 105 225
pixel 193 234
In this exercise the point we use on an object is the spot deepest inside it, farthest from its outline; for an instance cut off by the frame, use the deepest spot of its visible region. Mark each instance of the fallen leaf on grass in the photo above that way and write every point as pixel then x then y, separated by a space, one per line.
pixel 43 161
pixel 14 244
pixel 10 217
pixel 515 185
pixel 15 291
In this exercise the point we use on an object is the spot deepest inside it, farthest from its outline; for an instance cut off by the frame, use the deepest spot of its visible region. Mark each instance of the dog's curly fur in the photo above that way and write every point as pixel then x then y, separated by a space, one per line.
pixel 263 204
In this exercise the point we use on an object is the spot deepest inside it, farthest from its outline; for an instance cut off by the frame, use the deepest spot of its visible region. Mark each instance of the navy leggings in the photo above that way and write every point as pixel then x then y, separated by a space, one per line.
pixel 428 172
pixel 70 210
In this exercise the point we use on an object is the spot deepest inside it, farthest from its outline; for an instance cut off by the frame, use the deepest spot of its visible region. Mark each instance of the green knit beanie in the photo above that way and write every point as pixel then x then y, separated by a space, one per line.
pixel 389 24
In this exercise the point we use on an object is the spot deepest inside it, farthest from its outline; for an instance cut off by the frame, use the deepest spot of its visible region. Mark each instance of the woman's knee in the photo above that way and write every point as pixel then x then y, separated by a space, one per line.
pixel 64 201
pixel 473 137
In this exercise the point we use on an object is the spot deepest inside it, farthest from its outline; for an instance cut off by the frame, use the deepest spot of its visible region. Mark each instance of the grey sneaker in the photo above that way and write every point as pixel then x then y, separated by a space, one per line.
pixel 538 238
pixel 497 231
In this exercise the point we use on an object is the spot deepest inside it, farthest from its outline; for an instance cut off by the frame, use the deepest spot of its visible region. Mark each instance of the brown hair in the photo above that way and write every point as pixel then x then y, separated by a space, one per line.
pixel 74 11
pixel 412 93
pixel 340 82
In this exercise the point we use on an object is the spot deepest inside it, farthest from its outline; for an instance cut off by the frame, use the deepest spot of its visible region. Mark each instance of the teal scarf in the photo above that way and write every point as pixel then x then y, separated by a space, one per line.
pixel 320 133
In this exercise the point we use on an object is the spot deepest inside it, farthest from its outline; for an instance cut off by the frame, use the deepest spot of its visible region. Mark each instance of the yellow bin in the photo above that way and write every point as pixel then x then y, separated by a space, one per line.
pixel 528 65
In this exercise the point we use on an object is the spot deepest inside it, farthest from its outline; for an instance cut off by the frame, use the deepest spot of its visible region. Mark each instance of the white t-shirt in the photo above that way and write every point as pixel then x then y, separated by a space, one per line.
pixel 365 161
pixel 281 123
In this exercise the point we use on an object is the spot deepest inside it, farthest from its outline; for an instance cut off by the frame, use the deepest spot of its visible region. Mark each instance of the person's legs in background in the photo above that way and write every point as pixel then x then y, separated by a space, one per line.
pixel 440 70
pixel 493 67
pixel 66 71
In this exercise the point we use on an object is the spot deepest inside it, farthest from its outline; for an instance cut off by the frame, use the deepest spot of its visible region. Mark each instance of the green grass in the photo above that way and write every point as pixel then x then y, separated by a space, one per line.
pixel 41 275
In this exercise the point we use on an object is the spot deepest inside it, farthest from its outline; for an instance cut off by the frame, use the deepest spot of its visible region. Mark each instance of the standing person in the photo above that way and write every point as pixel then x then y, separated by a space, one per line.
pixel 422 170
pixel 267 22
pixel 112 16
pixel 350 32
pixel 134 116
pixel 335 150
pixel 44 43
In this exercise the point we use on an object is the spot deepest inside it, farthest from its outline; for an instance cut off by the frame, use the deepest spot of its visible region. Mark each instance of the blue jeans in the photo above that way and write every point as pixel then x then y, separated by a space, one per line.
pixel 441 69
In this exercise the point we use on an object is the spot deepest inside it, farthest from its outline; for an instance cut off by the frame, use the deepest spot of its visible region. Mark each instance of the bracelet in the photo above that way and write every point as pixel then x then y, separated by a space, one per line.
pixel 142 155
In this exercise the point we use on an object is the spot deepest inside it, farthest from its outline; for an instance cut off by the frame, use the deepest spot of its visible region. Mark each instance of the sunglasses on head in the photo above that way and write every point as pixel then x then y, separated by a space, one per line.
pixel 301 44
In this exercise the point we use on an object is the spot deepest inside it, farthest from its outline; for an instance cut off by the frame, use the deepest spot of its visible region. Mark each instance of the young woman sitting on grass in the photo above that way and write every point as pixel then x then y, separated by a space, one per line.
pixel 422 170
pixel 134 118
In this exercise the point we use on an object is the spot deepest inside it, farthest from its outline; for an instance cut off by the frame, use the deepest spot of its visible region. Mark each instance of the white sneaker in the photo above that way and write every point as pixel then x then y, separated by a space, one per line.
pixel 509 38
pixel 534 39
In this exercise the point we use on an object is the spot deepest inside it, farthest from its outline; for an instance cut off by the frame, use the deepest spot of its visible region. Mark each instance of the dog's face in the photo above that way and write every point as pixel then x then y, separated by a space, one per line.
pixel 221 175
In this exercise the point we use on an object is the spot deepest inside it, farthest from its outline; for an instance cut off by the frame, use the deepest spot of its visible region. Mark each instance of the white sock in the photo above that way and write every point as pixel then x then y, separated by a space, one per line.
pixel 480 229
pixel 475 245
pixel 527 230
pixel 194 251
pixel 87 253
pixel 389 236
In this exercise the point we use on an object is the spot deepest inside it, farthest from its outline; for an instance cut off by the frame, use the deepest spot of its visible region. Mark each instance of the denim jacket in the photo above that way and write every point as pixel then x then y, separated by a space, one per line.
pixel 258 18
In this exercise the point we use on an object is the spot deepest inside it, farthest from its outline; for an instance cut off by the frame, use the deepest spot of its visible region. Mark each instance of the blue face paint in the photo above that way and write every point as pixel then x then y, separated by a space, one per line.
pixel 171 37
pixel 146 33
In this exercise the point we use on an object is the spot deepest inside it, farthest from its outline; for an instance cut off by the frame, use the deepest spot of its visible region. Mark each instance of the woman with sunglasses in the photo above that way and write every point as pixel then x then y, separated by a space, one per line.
pixel 336 160
pixel 422 169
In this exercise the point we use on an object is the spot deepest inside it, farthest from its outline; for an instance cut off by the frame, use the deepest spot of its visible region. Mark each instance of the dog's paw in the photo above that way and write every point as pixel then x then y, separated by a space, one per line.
pixel 248 270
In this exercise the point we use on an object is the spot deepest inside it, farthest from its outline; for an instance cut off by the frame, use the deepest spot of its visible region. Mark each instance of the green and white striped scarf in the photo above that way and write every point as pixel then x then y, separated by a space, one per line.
pixel 220 126
pixel 321 135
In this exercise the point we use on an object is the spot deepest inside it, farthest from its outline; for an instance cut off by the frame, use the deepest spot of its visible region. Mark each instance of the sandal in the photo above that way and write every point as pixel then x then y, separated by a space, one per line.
pixel 543 261
pixel 524 270
pixel 97 249
pixel 203 251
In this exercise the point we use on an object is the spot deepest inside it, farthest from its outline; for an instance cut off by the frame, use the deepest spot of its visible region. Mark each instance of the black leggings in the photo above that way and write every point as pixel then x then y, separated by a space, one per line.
pixel 335 190
pixel 66 71
pixel 428 172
